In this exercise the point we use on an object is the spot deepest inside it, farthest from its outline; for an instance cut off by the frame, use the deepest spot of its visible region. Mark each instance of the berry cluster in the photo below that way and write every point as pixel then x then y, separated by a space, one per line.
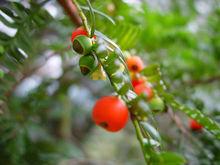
pixel 112 114
pixel 83 45
pixel 109 112
pixel 143 89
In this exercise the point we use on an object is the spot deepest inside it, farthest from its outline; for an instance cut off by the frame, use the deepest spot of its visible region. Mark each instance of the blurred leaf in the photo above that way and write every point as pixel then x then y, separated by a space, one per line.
pixel 151 131
pixel 165 158
pixel 193 113
pixel 100 13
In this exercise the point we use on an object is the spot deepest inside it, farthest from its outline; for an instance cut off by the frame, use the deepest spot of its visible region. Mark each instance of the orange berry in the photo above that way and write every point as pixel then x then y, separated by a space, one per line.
pixel 77 32
pixel 111 113
pixel 135 64
pixel 144 89
pixel 137 81
pixel 194 125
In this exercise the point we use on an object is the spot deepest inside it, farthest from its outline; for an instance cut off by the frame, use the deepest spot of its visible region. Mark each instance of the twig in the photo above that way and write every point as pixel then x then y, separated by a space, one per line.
pixel 178 122
pixel 204 81
pixel 82 16
pixel 8 93
pixel 181 127
pixel 71 10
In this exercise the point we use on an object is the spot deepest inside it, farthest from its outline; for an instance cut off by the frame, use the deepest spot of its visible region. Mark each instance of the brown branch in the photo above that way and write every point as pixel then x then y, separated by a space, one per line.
pixel 29 72
pixel 181 127
pixel 204 81
pixel 71 11
pixel 178 122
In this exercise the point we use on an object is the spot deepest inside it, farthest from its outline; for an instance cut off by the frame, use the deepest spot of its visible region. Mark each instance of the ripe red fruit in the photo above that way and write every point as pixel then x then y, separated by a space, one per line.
pixel 77 32
pixel 137 81
pixel 144 88
pixel 135 64
pixel 111 113
pixel 194 125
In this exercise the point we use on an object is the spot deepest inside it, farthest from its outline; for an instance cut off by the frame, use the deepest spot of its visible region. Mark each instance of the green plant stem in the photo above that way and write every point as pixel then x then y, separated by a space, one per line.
pixel 82 16
pixel 139 137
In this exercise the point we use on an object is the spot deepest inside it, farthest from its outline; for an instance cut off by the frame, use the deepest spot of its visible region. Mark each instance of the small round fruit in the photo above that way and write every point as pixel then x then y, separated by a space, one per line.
pixel 157 104
pixel 135 64
pixel 77 32
pixel 137 81
pixel 144 89
pixel 87 64
pixel 111 113
pixel 82 44
pixel 194 125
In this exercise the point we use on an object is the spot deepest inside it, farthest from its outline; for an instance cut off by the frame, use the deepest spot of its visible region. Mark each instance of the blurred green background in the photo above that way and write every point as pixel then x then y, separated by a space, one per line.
pixel 45 102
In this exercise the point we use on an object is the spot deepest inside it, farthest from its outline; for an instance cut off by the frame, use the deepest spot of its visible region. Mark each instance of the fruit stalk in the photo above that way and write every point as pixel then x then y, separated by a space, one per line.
pixel 82 16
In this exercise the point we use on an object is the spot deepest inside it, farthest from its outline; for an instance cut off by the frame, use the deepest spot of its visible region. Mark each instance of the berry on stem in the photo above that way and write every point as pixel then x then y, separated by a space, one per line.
pixel 77 32
pixel 137 81
pixel 87 64
pixel 111 113
pixel 194 125
pixel 82 45
pixel 156 104
pixel 135 64
pixel 144 89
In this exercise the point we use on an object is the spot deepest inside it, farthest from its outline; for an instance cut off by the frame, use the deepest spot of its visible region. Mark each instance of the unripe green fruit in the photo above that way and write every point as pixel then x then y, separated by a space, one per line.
pixel 87 64
pixel 82 44
pixel 157 104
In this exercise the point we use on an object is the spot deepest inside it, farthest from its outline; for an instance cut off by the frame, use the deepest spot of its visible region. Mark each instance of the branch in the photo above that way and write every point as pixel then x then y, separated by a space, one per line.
pixel 82 16
pixel 29 72
pixel 204 81
pixel 71 11
pixel 181 127
pixel 178 122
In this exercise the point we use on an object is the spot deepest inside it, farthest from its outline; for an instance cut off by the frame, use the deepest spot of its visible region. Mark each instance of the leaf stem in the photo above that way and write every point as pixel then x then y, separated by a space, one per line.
pixel 82 16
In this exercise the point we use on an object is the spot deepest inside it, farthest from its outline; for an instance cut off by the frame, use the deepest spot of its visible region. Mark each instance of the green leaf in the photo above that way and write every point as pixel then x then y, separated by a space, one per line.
pixel 1 73
pixel 7 11
pixel 193 113
pixel 124 34
pixel 151 131
pixel 7 22
pixel 92 15
pixel 153 74
pixel 100 13
pixel 4 37
pixel 168 158
pixel 112 60
pixel 151 70
pixel 149 143
pixel 124 89
pixel 20 10
pixel 1 49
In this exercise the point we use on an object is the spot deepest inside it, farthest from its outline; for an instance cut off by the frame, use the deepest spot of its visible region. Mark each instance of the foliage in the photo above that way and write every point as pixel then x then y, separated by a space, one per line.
pixel 44 125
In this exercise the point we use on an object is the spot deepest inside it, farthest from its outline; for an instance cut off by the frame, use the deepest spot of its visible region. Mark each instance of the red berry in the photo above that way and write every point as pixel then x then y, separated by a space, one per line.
pixel 137 81
pixel 194 125
pixel 135 64
pixel 144 88
pixel 77 32
pixel 111 113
